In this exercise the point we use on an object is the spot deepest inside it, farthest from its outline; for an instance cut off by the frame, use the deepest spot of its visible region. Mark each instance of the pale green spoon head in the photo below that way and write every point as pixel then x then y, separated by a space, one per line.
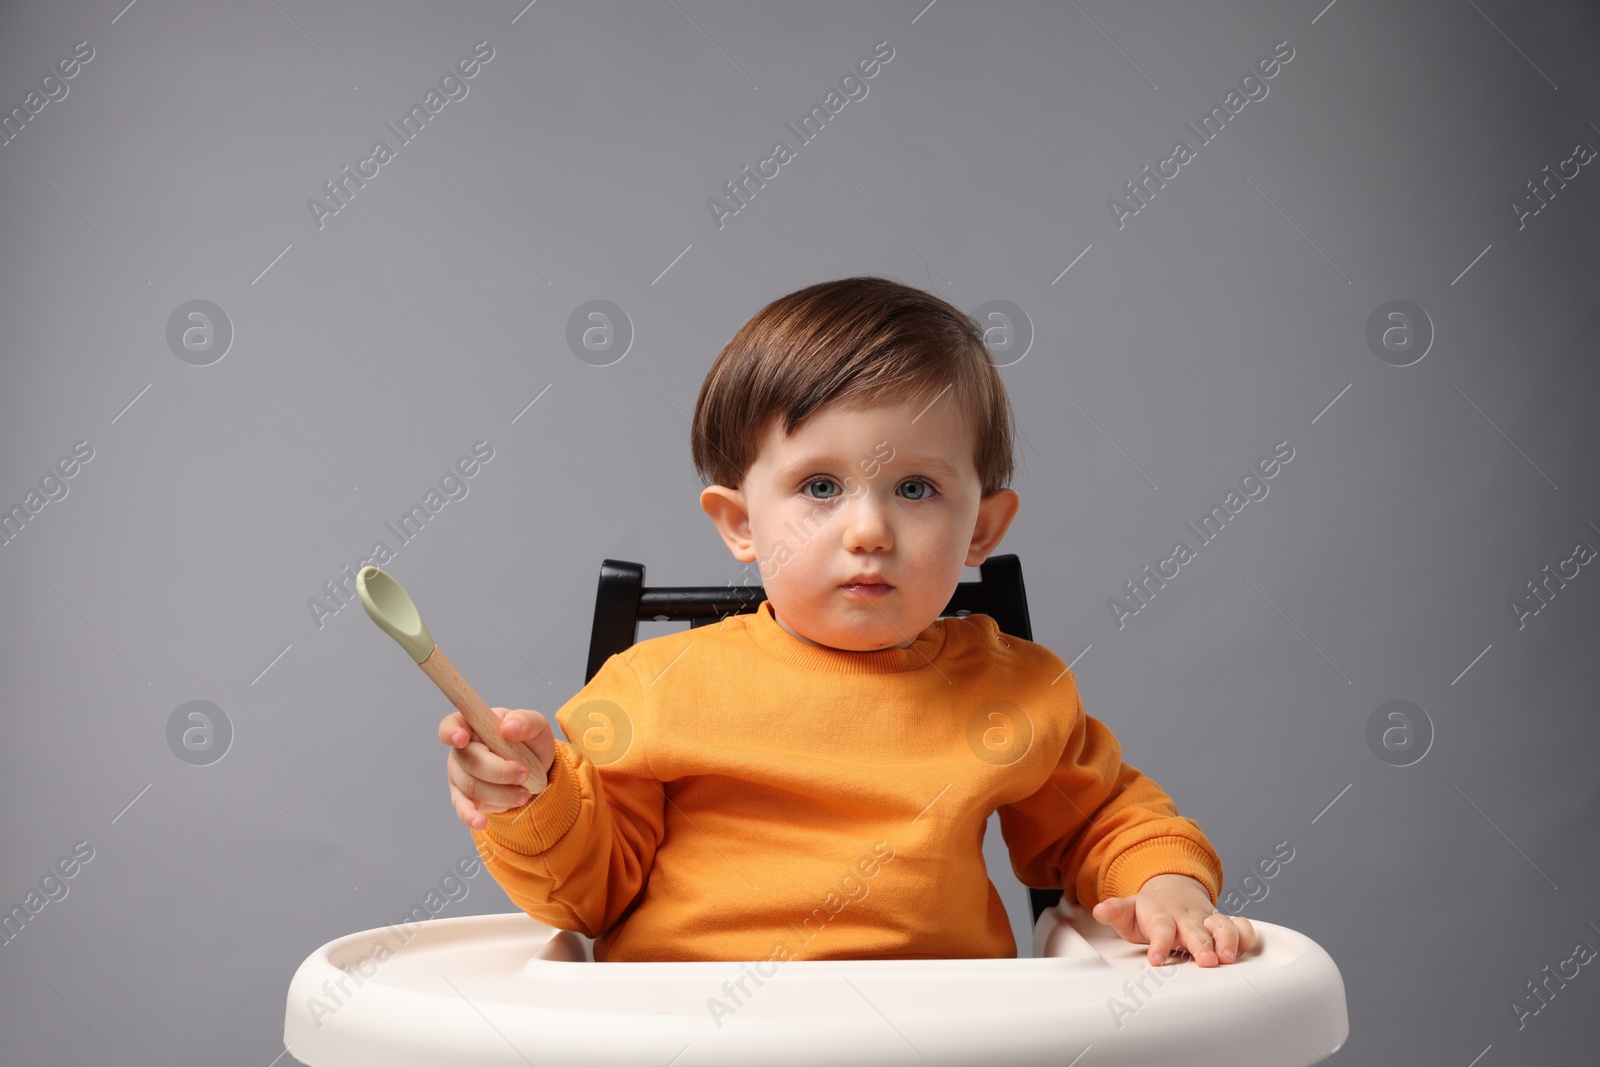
pixel 389 606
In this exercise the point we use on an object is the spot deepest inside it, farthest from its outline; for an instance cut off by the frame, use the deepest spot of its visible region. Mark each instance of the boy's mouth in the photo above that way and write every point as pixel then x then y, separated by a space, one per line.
pixel 867 585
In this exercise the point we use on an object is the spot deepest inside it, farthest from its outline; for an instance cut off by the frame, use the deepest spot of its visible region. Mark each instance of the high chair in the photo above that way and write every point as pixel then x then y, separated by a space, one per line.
pixel 484 990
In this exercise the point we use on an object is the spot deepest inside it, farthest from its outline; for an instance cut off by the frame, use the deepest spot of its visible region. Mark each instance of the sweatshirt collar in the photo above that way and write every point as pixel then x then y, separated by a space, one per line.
pixel 770 635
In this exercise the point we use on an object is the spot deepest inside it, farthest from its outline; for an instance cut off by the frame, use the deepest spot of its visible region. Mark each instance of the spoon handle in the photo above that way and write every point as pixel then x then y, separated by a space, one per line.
pixel 483 722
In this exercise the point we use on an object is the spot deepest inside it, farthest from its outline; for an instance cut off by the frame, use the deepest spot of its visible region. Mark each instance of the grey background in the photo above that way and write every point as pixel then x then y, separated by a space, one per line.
pixel 1228 315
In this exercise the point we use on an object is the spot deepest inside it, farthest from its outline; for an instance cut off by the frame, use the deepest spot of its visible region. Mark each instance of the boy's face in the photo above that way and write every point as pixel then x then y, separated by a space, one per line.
pixel 888 490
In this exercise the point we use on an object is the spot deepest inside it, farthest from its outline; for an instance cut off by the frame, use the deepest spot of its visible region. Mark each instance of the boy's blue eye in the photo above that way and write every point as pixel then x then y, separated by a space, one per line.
pixel 928 490
pixel 821 481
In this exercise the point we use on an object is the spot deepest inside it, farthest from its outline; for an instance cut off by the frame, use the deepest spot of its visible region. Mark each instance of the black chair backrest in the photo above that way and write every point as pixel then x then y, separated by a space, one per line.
pixel 623 601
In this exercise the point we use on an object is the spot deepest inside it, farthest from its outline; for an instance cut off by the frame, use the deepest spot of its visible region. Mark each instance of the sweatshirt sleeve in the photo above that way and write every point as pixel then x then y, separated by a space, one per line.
pixel 1099 828
pixel 575 856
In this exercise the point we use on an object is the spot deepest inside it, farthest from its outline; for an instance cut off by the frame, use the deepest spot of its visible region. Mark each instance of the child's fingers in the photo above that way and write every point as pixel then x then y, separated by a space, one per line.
pixel 519 724
pixel 481 764
pixel 533 730
pixel 1163 932
pixel 1224 935
pixel 1232 935
pixel 1198 942
pixel 500 792
pixel 453 730
pixel 481 782
pixel 467 811
pixel 1118 913
pixel 1246 933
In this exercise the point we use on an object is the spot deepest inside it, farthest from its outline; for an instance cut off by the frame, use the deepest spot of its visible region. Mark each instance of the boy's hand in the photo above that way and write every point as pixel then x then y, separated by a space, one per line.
pixel 1175 910
pixel 482 783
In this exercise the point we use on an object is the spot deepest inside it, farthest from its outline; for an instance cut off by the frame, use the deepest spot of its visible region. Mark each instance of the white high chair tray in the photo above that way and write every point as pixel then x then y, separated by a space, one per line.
pixel 507 990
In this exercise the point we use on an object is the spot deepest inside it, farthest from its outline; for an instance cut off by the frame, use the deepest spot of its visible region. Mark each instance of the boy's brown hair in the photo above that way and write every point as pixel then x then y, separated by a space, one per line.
pixel 857 341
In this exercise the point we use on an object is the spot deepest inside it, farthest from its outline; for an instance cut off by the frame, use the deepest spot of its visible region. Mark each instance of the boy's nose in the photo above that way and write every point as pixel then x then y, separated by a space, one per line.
pixel 865 524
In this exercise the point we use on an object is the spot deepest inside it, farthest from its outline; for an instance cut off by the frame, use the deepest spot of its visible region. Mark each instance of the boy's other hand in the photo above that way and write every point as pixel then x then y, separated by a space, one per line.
pixel 1175 911
pixel 481 783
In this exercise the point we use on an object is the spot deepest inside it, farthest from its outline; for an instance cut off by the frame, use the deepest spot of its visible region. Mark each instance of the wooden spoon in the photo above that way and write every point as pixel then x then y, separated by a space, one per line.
pixel 389 606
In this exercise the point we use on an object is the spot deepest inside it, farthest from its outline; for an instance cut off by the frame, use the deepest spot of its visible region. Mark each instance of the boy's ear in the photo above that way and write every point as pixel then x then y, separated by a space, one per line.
pixel 995 513
pixel 732 518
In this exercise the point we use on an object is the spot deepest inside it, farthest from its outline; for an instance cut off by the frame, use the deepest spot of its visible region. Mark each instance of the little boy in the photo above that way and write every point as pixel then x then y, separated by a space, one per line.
pixel 812 780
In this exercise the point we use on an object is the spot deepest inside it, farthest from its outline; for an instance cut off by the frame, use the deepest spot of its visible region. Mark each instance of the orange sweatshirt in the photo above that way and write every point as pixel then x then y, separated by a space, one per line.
pixel 730 792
